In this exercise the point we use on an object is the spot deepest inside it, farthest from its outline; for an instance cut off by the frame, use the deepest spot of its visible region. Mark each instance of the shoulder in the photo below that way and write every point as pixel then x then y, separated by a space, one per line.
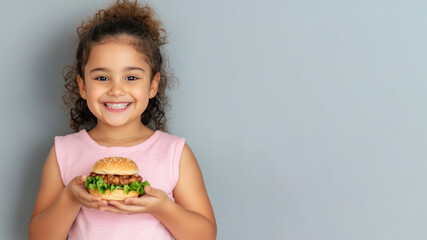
pixel 68 145
pixel 167 136
pixel 70 140
pixel 167 139
pixel 71 136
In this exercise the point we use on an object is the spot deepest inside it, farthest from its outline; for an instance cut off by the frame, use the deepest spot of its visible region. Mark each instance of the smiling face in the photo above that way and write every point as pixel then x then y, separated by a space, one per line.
pixel 118 83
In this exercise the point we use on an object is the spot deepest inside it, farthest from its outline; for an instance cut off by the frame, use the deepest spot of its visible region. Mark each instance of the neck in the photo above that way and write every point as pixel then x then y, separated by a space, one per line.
pixel 103 132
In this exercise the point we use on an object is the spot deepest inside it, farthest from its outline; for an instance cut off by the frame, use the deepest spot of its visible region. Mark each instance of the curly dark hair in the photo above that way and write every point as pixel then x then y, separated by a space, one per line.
pixel 122 18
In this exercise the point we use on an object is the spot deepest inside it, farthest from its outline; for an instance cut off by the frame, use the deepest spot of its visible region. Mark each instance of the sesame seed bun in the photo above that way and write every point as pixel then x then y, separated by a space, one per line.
pixel 116 166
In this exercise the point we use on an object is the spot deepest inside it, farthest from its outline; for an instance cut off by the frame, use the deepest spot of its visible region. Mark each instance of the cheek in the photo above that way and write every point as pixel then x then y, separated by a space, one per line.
pixel 93 92
pixel 92 98
pixel 143 95
pixel 143 91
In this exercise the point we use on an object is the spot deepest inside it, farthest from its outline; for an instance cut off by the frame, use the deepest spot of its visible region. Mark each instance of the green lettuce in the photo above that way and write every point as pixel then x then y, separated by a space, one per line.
pixel 97 183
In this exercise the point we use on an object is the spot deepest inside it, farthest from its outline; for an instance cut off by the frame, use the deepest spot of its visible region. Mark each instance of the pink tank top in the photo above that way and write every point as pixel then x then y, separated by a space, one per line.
pixel 158 162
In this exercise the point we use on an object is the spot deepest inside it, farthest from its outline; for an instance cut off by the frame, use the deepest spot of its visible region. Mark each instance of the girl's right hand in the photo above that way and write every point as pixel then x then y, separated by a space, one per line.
pixel 78 193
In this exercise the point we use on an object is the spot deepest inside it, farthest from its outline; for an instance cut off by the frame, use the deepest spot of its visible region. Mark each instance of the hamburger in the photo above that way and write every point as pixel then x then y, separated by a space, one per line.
pixel 115 178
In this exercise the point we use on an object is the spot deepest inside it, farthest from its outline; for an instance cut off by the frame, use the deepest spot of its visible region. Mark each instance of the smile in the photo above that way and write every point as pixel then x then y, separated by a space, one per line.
pixel 116 106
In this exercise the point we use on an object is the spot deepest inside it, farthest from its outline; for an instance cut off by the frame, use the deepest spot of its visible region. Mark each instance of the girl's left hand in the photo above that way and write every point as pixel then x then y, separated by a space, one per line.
pixel 153 201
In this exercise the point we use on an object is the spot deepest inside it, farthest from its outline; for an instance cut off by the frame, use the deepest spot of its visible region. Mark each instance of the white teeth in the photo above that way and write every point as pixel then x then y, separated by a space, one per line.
pixel 116 105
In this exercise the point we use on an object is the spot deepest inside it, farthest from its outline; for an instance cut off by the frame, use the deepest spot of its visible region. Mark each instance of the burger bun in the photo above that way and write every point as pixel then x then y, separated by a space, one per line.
pixel 117 194
pixel 116 166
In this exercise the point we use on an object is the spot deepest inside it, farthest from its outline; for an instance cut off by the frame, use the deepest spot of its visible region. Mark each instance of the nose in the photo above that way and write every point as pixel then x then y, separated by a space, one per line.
pixel 117 88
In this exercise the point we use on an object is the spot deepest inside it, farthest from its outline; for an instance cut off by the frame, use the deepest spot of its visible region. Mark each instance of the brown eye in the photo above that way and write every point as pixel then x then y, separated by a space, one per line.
pixel 101 78
pixel 131 78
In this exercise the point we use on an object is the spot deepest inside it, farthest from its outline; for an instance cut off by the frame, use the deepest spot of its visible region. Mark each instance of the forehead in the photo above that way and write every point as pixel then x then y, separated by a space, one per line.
pixel 116 52
pixel 122 38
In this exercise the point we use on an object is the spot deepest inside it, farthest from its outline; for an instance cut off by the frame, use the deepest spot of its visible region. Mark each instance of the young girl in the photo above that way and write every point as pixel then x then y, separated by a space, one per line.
pixel 117 95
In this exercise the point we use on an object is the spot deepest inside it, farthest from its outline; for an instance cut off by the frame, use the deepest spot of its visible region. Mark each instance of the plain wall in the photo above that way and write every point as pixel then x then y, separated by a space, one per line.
pixel 307 117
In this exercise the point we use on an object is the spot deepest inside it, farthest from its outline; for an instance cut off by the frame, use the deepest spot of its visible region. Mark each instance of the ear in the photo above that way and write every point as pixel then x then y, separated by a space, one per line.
pixel 154 85
pixel 82 86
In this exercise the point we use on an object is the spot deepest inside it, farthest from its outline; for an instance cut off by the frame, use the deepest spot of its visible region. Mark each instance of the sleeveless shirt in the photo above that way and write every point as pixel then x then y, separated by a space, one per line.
pixel 158 162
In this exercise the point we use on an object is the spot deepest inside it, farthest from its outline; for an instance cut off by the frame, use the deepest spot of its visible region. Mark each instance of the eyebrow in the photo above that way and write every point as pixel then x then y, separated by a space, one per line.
pixel 108 70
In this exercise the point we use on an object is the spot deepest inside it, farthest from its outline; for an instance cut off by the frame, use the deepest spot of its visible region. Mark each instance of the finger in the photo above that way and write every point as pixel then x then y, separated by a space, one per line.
pixel 83 178
pixel 91 198
pixel 84 193
pixel 151 191
pixel 112 209
pixel 89 204
pixel 127 208
pixel 93 202
pixel 134 201
pixel 85 196
pixel 144 201
pixel 80 179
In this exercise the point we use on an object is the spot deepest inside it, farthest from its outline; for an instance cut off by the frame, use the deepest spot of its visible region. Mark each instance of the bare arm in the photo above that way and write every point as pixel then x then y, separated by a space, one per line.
pixel 191 217
pixel 56 205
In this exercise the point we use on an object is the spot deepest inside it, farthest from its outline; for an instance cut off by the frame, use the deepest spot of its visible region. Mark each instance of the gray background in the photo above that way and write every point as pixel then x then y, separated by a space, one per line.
pixel 307 117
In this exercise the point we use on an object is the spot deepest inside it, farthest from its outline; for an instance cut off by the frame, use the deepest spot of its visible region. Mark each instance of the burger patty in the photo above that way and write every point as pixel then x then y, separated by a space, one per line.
pixel 117 179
